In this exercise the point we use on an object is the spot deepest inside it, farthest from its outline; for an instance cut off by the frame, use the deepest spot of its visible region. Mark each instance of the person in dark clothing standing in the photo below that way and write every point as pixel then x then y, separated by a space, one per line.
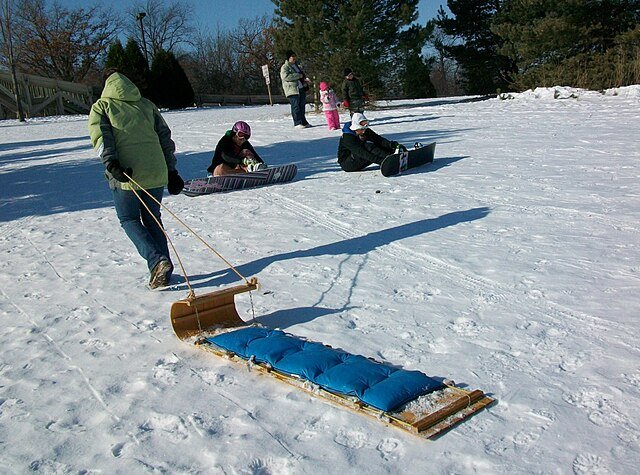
pixel 360 146
pixel 353 95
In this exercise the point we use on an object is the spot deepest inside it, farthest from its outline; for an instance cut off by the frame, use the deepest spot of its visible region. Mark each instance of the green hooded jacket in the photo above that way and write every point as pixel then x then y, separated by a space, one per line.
pixel 126 127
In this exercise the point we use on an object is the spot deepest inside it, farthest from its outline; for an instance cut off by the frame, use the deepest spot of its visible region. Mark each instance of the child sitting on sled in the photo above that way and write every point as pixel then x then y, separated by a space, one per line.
pixel 330 106
pixel 234 153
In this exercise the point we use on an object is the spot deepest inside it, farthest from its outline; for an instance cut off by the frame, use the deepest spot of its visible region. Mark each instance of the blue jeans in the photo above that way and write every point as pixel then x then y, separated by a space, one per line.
pixel 298 104
pixel 139 225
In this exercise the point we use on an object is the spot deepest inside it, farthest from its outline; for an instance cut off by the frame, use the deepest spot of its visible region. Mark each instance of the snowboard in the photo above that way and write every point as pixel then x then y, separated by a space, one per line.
pixel 240 181
pixel 399 162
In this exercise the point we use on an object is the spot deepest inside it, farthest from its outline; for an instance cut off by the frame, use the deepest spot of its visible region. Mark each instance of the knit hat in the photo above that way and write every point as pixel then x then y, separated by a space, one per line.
pixel 347 71
pixel 356 121
pixel 324 86
pixel 289 53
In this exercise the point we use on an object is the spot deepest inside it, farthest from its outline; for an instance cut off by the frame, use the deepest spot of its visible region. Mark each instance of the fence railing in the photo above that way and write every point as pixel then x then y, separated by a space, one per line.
pixel 43 96
pixel 245 100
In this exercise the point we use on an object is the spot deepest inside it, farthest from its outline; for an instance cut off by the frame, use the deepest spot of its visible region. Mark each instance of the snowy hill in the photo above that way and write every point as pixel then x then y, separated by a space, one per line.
pixel 510 264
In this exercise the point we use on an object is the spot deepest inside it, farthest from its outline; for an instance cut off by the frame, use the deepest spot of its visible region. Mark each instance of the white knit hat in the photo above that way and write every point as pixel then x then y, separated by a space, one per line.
pixel 356 121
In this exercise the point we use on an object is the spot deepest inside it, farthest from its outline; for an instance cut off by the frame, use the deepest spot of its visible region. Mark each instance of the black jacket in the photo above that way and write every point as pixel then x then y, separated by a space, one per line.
pixel 352 90
pixel 228 152
pixel 351 144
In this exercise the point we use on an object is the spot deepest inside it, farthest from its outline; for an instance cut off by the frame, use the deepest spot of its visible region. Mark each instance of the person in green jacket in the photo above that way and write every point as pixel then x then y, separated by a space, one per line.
pixel 295 85
pixel 134 143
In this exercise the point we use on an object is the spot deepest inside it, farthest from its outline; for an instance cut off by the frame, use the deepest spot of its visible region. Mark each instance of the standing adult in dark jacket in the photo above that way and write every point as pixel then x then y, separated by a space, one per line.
pixel 234 153
pixel 360 146
pixel 353 95
pixel 134 143
pixel 295 85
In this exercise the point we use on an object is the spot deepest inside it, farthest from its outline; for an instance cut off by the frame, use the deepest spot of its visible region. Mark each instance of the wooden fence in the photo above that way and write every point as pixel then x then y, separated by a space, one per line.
pixel 244 100
pixel 43 96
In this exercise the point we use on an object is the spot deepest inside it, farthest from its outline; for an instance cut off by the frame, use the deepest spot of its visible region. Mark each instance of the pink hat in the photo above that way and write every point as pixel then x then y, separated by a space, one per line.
pixel 324 86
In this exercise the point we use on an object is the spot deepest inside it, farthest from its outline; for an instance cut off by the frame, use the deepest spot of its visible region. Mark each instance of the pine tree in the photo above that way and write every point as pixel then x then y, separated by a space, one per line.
pixel 170 86
pixel 135 66
pixel 329 36
pixel 589 44
pixel 483 69
pixel 130 62
pixel 115 56
pixel 414 70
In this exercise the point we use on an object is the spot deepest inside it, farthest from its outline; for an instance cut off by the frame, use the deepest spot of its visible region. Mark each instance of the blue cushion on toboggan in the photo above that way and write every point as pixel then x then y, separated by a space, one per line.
pixel 381 386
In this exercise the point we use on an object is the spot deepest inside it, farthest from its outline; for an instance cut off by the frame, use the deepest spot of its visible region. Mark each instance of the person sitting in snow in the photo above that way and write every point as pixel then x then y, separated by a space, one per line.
pixel 360 146
pixel 234 153
pixel 330 106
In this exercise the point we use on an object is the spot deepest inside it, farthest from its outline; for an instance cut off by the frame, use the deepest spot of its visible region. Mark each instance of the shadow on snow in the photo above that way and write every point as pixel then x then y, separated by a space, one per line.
pixel 354 246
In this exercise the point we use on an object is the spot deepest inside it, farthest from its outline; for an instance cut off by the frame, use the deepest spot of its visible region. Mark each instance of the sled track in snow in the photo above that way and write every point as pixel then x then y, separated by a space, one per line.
pixel 566 213
pixel 97 395
pixel 492 291
pixel 7 229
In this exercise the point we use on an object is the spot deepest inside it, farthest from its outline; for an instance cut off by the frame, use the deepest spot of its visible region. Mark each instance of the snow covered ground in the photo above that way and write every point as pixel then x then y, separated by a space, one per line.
pixel 511 264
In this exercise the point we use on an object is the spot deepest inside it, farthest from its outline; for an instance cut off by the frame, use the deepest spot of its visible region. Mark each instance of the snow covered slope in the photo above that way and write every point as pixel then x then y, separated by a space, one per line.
pixel 511 264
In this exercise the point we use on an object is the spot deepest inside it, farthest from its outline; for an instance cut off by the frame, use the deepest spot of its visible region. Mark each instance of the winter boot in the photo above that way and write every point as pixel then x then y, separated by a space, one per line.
pixel 159 274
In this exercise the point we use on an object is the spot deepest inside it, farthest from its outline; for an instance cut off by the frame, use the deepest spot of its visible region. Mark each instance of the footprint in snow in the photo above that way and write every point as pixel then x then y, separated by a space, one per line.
pixel 269 466
pixel 204 426
pixel 166 425
pixel 117 449
pixel 590 464
pixel 632 379
pixel 96 343
pixel 165 370
pixel 351 439
pixel 601 411
pixel 81 314
pixel 149 325
pixel 217 379
pixel 464 327
pixel 418 293
pixel 390 449
pixel 571 363
pixel 310 429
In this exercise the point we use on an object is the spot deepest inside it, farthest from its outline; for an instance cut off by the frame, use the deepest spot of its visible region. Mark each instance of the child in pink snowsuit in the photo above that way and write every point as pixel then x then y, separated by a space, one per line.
pixel 330 106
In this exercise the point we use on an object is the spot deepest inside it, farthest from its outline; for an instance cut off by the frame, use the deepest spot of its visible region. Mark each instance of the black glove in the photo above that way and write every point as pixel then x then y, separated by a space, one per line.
pixel 176 184
pixel 118 172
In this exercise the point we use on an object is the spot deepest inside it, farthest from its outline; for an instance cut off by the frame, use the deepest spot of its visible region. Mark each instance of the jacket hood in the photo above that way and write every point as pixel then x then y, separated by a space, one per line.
pixel 118 86
pixel 346 128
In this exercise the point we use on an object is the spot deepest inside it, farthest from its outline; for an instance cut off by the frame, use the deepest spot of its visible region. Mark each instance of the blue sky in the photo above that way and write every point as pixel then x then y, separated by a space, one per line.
pixel 214 14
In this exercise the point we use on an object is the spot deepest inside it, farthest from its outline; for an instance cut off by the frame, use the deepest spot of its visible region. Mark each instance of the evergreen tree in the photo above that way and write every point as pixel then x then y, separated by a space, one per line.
pixel 590 44
pixel 445 70
pixel 483 69
pixel 329 36
pixel 414 70
pixel 130 62
pixel 135 66
pixel 115 56
pixel 170 86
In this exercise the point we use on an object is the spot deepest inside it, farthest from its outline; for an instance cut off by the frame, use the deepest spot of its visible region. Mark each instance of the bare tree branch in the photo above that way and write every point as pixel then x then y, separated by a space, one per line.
pixel 165 26
pixel 63 43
